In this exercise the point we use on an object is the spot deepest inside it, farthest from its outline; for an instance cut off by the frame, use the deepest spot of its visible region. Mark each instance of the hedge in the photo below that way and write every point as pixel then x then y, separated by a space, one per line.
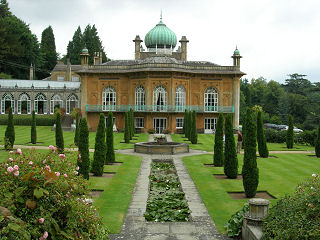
pixel 26 120
pixel 306 137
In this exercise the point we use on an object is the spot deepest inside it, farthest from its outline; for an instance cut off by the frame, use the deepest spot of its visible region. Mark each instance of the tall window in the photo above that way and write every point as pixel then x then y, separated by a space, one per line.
pixel 180 99
pixel 24 104
pixel 72 102
pixel 140 98
pixel 211 100
pixel 109 99
pixel 40 104
pixel 56 102
pixel 160 99
pixel 7 101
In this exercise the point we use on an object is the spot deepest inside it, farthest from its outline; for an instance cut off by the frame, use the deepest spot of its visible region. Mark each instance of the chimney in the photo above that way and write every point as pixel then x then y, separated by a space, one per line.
pixel 68 72
pixel 97 58
pixel 137 42
pixel 184 42
pixel 31 72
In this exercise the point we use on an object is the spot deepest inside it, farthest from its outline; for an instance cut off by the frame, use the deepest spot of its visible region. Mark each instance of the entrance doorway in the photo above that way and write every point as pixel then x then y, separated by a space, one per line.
pixel 159 124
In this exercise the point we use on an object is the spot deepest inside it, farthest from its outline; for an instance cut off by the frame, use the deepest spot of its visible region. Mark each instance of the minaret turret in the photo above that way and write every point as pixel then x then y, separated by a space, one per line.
pixel 236 57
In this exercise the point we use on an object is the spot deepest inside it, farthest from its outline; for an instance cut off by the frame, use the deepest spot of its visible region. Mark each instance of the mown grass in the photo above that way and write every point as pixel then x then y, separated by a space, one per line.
pixel 279 176
pixel 46 137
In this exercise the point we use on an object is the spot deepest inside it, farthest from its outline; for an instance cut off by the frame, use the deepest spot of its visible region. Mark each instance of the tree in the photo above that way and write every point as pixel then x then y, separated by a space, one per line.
pixel 317 144
pixel 76 135
pixel 187 127
pixel 193 130
pixel 99 148
pixel 110 157
pixel 218 143
pixel 33 128
pixel 184 122
pixel 250 171
pixel 75 47
pixel 48 52
pixel 130 125
pixel 289 139
pixel 4 9
pixel 59 134
pixel 83 159
pixel 132 122
pixel 261 138
pixel 126 128
pixel 9 134
pixel 230 153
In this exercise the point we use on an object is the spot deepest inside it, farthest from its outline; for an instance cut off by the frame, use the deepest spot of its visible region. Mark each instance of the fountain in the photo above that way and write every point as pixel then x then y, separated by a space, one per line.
pixel 161 146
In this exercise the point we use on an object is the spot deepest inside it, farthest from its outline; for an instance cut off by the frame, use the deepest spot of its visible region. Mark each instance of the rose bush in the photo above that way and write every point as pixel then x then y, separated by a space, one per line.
pixel 42 197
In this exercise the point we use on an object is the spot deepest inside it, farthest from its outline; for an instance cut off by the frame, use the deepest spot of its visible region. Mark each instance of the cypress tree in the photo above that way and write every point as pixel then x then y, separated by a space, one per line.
pixel 218 143
pixel 193 133
pixel 317 143
pixel 184 122
pixel 83 160
pixel 289 139
pixel 126 128
pixel 110 157
pixel 261 138
pixel 9 134
pixel 129 125
pixel 76 134
pixel 132 122
pixel 230 152
pixel 99 148
pixel 33 129
pixel 186 133
pixel 59 134
pixel 250 171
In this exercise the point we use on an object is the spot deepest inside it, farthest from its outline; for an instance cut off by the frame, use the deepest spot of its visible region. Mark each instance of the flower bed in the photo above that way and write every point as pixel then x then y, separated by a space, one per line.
pixel 166 201
pixel 42 196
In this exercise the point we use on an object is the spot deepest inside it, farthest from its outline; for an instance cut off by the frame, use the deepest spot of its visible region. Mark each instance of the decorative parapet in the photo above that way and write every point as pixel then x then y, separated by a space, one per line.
pixel 252 220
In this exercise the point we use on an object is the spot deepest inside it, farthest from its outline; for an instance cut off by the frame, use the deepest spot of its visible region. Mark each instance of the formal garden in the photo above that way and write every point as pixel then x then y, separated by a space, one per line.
pixel 69 185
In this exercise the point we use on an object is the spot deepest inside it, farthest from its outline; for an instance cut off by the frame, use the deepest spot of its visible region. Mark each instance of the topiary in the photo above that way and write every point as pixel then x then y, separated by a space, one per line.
pixel 262 143
pixel 250 171
pixel 99 148
pixel 193 132
pixel 33 129
pixel 296 216
pixel 230 153
pixel 110 157
pixel 83 158
pixel 317 144
pixel 126 128
pixel 218 143
pixel 9 134
pixel 289 139
pixel 59 134
pixel 132 122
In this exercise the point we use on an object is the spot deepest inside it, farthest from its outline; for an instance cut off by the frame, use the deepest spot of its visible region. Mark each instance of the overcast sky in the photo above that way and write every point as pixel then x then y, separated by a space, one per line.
pixel 275 37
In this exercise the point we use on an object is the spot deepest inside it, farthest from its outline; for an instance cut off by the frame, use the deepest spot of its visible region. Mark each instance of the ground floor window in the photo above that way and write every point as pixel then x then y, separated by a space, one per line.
pixel 210 125
pixel 179 123
pixel 159 124
pixel 114 124
pixel 6 103
pixel 139 122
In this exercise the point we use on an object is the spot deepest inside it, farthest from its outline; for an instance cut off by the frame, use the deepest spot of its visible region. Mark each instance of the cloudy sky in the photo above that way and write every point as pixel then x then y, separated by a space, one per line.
pixel 275 37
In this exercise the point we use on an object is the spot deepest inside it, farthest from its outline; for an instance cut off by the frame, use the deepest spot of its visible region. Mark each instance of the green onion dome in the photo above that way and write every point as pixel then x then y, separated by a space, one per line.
pixel 85 50
pixel 236 52
pixel 161 37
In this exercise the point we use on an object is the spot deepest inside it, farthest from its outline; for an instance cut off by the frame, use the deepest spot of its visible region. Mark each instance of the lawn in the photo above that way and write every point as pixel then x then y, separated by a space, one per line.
pixel 279 176
pixel 46 137
pixel 115 200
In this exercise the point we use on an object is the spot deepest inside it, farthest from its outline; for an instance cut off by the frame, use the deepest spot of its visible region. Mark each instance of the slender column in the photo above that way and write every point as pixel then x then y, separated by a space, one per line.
pixel 236 101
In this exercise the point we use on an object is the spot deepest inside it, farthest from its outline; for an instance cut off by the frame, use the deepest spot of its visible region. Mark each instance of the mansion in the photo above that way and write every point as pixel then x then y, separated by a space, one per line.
pixel 159 85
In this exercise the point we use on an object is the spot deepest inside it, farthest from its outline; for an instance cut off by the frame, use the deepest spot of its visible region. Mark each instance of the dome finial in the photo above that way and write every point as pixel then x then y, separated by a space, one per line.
pixel 161 15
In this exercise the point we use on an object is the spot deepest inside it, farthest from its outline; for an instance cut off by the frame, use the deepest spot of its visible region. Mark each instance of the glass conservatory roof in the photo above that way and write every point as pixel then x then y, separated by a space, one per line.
pixel 16 83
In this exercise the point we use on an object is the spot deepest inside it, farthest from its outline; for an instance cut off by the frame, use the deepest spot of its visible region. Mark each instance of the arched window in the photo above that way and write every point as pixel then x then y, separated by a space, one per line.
pixel 109 99
pixel 56 102
pixel 139 98
pixel 7 101
pixel 72 102
pixel 211 100
pixel 24 104
pixel 160 98
pixel 40 104
pixel 180 99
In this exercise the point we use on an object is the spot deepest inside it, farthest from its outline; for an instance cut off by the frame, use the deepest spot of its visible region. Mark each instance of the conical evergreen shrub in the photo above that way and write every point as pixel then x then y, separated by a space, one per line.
pixel 59 134
pixel 261 138
pixel 99 148
pixel 193 133
pixel 9 133
pixel 129 125
pixel 83 144
pixel 218 143
pixel 317 144
pixel 110 157
pixel 289 139
pixel 33 128
pixel 250 171
pixel 76 134
pixel 126 128
pixel 230 152
pixel 187 128
pixel 184 122
pixel 132 122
